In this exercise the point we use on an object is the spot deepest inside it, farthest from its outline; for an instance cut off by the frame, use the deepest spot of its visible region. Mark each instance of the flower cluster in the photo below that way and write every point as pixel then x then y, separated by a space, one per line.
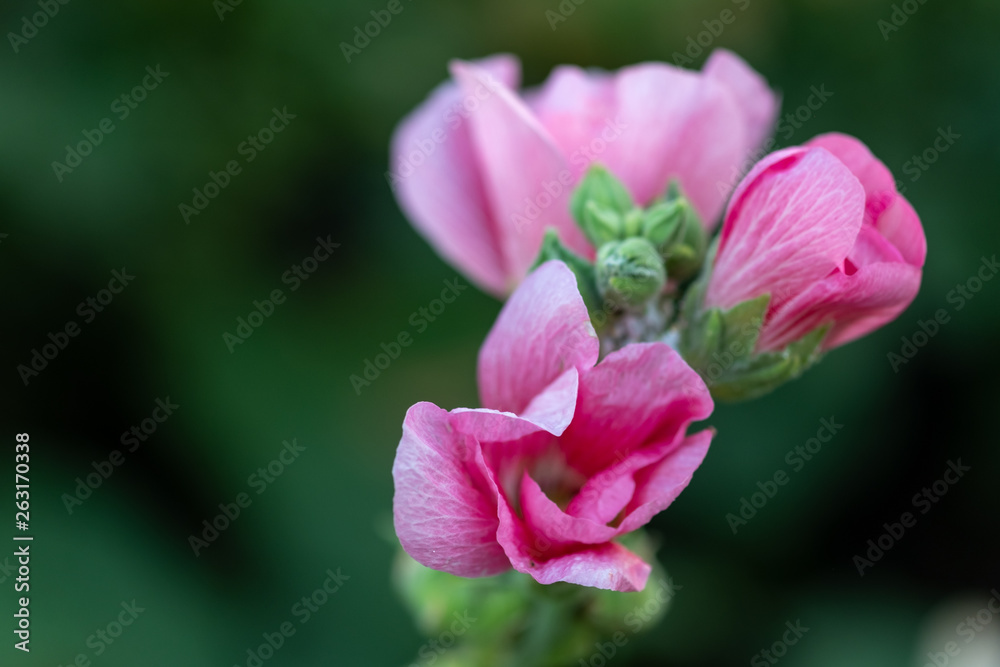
pixel 592 202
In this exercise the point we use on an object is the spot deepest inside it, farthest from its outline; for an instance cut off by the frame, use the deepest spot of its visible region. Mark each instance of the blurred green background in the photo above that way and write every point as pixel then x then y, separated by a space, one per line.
pixel 323 176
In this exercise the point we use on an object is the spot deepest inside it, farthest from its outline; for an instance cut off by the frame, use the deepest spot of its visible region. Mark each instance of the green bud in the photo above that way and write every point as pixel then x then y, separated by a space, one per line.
pixel 601 224
pixel 632 222
pixel 685 255
pixel 629 272
pixel 661 223
pixel 598 185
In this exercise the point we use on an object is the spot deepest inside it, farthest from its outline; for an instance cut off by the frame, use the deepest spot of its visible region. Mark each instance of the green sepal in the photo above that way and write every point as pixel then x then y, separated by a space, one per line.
pixel 553 248
pixel 768 371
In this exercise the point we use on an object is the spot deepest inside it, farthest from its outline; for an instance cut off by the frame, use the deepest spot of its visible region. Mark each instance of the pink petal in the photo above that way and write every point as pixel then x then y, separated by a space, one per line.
pixel 858 304
pixel 444 510
pixel 874 176
pixel 609 566
pixel 576 107
pixel 636 395
pixel 891 214
pixel 758 103
pixel 900 225
pixel 545 518
pixel 517 160
pixel 790 223
pixel 543 330
pixel 677 124
pixel 438 182
pixel 659 485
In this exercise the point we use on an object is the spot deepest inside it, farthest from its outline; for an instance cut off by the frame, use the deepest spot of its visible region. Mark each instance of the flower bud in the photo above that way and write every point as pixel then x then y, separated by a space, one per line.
pixel 629 272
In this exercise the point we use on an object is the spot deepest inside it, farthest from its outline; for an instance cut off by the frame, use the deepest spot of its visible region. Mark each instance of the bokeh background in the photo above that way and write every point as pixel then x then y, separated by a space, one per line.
pixel 323 176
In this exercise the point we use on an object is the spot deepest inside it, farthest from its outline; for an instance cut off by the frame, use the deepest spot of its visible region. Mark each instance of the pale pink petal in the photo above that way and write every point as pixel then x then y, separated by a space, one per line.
pixel 545 518
pixel 444 510
pixel 858 303
pixel 521 167
pixel 543 331
pixel 758 103
pixel 436 177
pixel 551 410
pixel 712 146
pixel 659 484
pixel 654 102
pixel 609 566
pixel 791 222
pixel 636 395
pixel 576 107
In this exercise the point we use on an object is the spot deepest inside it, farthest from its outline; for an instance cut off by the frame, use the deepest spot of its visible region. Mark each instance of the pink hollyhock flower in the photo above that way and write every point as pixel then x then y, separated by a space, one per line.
pixel 481 171
pixel 565 457
pixel 824 231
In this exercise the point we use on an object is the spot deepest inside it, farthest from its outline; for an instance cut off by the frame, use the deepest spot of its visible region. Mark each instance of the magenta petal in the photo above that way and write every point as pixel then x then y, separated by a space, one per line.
pixel 874 176
pixel 444 510
pixel 638 394
pixel 609 566
pixel 543 517
pixel 435 174
pixel 543 330
pixel 900 225
pixel 606 494
pixel 792 221
pixel 758 103
pixel 659 485
pixel 517 158
pixel 859 303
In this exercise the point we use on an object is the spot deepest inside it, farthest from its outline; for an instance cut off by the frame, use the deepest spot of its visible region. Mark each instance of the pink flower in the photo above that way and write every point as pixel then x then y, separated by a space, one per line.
pixel 824 231
pixel 565 457
pixel 481 171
